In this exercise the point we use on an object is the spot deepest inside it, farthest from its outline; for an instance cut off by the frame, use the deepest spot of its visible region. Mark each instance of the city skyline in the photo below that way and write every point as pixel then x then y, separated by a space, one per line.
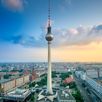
pixel 77 23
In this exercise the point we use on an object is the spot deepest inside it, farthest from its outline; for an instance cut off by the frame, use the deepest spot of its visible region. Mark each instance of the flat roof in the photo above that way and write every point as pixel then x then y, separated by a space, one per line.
pixel 18 93
pixel 15 77
pixel 65 95
pixel 4 80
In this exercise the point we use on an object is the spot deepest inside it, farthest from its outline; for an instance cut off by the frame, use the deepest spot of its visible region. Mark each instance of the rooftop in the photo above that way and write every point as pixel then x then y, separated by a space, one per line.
pixel 18 94
pixel 65 95
pixel 7 80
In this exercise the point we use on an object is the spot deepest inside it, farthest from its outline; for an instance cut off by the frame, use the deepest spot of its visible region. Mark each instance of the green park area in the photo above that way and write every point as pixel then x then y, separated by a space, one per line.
pixel 72 86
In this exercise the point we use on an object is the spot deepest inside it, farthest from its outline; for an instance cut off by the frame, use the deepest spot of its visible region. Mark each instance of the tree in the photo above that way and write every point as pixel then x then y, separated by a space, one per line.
pixel 43 81
pixel 65 75
pixel 6 76
pixel 32 84
pixel 32 98
pixel 54 74
pixel 78 96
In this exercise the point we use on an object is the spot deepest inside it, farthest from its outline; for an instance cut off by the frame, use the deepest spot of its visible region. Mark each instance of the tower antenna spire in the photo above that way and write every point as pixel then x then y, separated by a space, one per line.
pixel 49 13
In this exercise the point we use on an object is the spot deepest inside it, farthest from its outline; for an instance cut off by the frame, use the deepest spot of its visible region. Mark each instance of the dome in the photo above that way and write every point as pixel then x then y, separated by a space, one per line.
pixel 49 37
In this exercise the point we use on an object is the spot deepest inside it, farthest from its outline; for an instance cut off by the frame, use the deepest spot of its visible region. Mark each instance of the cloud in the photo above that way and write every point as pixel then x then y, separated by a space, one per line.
pixel 26 40
pixel 78 36
pixel 14 5
pixel 62 37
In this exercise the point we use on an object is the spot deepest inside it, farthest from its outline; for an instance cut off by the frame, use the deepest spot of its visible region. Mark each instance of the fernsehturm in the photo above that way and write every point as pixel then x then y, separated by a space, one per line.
pixel 49 38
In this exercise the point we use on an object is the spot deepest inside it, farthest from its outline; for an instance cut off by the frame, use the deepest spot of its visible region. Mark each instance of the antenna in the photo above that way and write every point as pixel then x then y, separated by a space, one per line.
pixel 49 13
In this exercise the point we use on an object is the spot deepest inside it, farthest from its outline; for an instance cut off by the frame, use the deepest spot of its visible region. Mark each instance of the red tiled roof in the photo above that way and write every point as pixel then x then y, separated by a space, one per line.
pixel 68 80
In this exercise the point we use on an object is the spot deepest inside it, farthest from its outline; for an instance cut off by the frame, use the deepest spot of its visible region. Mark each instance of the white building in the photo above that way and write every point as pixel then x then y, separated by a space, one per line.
pixel 64 96
pixel 18 95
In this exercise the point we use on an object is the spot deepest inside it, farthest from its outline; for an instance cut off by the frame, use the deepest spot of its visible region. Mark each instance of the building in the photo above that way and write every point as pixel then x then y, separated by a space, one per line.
pixel 33 76
pixel 7 85
pixel 68 80
pixel 1 100
pixel 56 82
pixel 94 73
pixel 17 95
pixel 65 96
pixel 91 84
pixel 40 72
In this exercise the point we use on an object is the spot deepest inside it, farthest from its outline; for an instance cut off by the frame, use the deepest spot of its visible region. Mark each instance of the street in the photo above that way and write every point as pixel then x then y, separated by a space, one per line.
pixel 82 91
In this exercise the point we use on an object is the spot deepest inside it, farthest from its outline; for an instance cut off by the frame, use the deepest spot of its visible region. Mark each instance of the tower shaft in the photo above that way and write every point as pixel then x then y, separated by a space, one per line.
pixel 49 73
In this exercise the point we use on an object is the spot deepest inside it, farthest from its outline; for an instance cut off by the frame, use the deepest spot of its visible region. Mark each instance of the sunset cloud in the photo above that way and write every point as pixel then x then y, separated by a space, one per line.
pixel 14 5
pixel 78 36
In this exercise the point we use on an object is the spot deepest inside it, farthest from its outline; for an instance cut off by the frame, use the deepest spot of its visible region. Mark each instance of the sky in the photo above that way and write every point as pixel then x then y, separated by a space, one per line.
pixel 76 26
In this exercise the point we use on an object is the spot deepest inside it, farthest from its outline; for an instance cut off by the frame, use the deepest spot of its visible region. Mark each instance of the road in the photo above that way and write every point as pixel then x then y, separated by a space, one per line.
pixel 82 91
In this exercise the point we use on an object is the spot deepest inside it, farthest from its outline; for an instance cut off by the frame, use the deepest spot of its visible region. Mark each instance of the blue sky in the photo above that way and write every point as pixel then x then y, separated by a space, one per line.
pixel 23 27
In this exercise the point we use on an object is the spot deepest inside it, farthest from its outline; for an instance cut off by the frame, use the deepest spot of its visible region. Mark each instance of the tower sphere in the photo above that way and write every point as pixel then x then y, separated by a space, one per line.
pixel 49 37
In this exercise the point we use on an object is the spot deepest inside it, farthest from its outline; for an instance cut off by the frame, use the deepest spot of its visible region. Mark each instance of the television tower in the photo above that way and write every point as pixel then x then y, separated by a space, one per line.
pixel 49 38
